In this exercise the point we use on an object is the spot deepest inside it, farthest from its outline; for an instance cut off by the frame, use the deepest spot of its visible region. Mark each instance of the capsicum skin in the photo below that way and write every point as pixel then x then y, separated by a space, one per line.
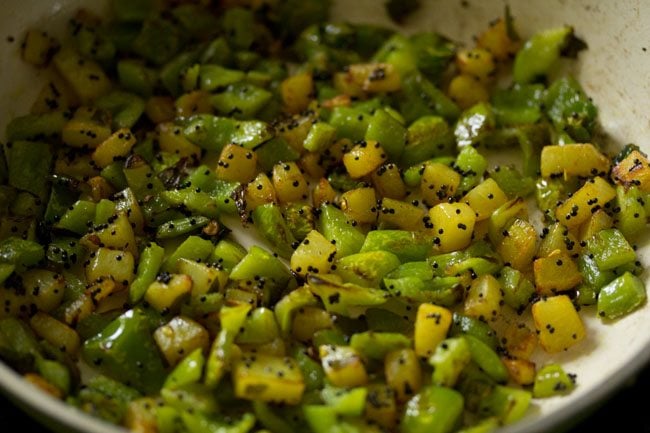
pixel 126 351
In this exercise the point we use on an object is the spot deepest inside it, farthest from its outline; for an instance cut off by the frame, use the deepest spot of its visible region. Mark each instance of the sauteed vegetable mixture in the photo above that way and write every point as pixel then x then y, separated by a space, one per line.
pixel 398 283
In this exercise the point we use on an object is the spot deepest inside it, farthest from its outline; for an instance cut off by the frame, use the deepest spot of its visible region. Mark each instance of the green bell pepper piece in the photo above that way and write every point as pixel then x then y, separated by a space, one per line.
pixel 366 269
pixel 471 165
pixel 63 194
pixel 428 137
pixel 21 253
pixel 227 254
pixel 191 397
pixel 158 42
pixel 421 270
pixel 78 217
pixel 474 124
pixel 274 151
pixel 260 327
pixel 507 403
pixel 126 351
pixel 334 226
pixel 240 100
pixel 55 373
pixel 610 249
pixel 552 380
pixel 232 319
pixel 448 361
pixel 350 122
pixel 444 291
pixel 632 217
pixel 422 98
pixel 270 223
pixel 407 246
pixel 435 409
pixel 213 132
pixel 375 345
pixel 570 109
pixel 151 259
pixel 29 166
pixel 107 398
pixel 312 371
pixel 182 226
pixel 37 126
pixel 622 296
pixel 520 104
pixel 486 358
pixel 291 302
pixel 346 299
pixel 192 248
pixel 517 289
pixel 540 53
pixel 132 10
pixel 346 402
pixel 387 131
pixel 466 325
pixel 170 74
pixel 135 77
pixel 216 78
pixel 18 344
pixel 512 182
pixel 125 108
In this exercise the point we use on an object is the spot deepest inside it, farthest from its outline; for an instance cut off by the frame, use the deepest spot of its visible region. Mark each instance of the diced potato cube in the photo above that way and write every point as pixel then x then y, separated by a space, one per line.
pixel 388 182
pixel 297 91
pixel 577 209
pixel 439 181
pixel 196 102
pixel 308 320
pixel 343 366
pixel 100 188
pixel 403 373
pixel 573 160
pixel 115 264
pixel 86 77
pixel 360 205
pixel 323 193
pixel 289 182
pixel 453 224
pixel 84 133
pixel 521 341
pixel 467 91
pixel 118 234
pixel 364 158
pixel 599 220
pixel 477 62
pixel 633 170
pixel 519 244
pixel 180 337
pixel 484 298
pixel 497 40
pixel 160 109
pixel 556 273
pixel 401 215
pixel 259 191
pixel 57 333
pixel 172 140
pixel 431 326
pixel 485 198
pixel 38 47
pixel 237 164
pixel 558 238
pixel 368 77
pixel 44 288
pixel 167 294
pixel 315 254
pixel 268 378
pixel 114 147
pixel 558 323
pixel 380 405
pixel 204 278
pixel 521 371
